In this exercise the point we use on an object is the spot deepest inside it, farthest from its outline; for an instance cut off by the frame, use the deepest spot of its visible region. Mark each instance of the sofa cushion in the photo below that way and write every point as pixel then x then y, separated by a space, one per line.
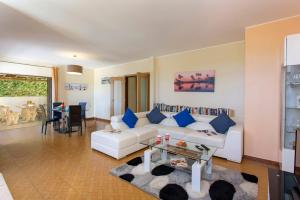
pixel 142 133
pixel 175 132
pixel 154 126
pixel 202 138
pixel 115 141
pixel 169 121
pixel 129 118
pixel 200 126
pixel 222 123
pixel 204 118
pixel 184 118
pixel 155 116
pixel 142 122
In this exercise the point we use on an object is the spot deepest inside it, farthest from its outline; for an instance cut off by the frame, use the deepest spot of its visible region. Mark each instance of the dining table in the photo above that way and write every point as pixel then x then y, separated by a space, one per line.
pixel 64 118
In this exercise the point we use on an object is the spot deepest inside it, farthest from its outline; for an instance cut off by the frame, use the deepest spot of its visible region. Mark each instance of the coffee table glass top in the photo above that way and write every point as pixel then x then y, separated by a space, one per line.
pixel 190 151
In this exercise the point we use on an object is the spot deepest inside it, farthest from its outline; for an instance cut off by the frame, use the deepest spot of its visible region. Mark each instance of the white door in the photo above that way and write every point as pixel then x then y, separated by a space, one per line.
pixel 117 101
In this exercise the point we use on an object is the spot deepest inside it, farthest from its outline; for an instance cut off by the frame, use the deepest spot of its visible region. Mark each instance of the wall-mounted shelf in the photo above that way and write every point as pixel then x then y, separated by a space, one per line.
pixel 292 108
pixel 294 84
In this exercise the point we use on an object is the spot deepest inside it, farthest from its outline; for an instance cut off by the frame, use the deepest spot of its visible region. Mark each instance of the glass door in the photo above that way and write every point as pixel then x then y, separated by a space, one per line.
pixel 117 96
pixel 131 93
pixel 292 105
pixel 143 91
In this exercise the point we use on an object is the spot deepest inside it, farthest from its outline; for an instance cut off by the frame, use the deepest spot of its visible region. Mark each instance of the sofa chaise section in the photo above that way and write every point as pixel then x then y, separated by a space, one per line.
pixel 230 144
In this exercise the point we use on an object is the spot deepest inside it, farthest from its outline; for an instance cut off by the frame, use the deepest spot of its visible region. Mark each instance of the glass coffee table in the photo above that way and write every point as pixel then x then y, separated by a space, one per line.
pixel 201 160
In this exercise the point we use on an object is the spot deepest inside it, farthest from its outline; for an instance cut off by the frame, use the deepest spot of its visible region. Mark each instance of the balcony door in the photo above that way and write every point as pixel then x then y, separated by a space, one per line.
pixel 117 95
pixel 143 92
pixel 131 91
pixel 137 92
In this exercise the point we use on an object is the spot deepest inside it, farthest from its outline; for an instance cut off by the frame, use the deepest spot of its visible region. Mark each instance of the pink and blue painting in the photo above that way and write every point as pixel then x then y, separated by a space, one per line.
pixel 200 81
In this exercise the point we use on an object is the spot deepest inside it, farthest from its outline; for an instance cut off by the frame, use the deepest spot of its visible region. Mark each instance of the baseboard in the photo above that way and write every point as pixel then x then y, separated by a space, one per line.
pixel 98 119
pixel 263 161
pixel 102 120
pixel 90 118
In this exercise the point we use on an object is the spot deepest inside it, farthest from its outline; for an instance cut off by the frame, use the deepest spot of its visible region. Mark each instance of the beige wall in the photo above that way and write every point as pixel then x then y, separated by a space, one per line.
pixel 226 59
pixel 264 56
pixel 75 96
pixel 102 92
pixel 228 62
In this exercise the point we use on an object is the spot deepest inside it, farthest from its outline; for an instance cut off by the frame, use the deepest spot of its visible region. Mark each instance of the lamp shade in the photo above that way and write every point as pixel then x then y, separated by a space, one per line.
pixel 74 69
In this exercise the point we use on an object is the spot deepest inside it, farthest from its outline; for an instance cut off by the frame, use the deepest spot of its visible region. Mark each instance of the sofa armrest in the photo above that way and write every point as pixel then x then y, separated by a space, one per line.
pixel 119 125
pixel 237 129
pixel 116 118
pixel 234 143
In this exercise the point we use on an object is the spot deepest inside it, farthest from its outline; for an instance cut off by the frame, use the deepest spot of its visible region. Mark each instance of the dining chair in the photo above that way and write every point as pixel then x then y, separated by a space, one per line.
pixel 45 119
pixel 83 109
pixel 74 119
pixel 56 114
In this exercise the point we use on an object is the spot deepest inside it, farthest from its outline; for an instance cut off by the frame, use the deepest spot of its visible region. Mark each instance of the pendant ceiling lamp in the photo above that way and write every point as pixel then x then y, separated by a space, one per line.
pixel 74 69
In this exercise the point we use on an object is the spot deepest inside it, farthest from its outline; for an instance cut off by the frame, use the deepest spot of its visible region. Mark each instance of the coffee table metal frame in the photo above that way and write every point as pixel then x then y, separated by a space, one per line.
pixel 203 159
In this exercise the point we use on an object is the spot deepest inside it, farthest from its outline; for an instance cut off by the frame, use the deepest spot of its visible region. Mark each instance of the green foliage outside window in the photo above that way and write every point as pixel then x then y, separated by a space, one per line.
pixel 15 88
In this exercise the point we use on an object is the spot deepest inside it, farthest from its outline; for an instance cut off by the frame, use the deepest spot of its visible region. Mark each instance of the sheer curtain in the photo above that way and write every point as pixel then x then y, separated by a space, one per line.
pixel 55 82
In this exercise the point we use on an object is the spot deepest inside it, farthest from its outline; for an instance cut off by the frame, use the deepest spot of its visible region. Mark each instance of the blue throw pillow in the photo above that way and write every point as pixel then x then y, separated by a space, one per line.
pixel 155 116
pixel 129 118
pixel 222 123
pixel 184 118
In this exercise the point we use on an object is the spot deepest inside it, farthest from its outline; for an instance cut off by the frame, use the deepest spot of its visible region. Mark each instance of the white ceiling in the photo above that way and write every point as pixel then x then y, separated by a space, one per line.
pixel 108 32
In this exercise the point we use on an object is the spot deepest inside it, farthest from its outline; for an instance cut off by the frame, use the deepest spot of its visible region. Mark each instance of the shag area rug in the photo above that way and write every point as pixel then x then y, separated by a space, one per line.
pixel 167 183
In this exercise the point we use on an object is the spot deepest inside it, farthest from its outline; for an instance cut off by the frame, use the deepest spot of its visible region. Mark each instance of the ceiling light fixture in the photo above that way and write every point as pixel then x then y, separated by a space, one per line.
pixel 74 69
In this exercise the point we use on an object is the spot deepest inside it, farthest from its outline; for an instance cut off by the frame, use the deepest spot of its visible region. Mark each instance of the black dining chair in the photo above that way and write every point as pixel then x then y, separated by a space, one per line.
pixel 56 114
pixel 83 109
pixel 45 119
pixel 74 119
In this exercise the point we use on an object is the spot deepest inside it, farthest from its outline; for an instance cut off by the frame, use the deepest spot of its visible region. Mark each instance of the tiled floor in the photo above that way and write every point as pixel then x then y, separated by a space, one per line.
pixel 56 166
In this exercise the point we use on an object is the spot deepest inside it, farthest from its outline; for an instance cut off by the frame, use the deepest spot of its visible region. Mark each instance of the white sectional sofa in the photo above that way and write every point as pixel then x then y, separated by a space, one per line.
pixel 230 145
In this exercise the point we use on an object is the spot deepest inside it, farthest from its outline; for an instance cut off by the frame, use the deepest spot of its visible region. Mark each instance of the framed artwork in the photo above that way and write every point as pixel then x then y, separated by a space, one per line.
pixel 105 80
pixel 197 81
pixel 76 86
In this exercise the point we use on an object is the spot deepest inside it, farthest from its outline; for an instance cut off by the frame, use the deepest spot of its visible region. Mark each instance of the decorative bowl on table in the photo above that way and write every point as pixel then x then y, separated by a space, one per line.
pixel 181 143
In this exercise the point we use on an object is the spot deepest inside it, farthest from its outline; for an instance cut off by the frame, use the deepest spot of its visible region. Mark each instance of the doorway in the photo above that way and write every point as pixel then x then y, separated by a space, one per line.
pixel 117 95
pixel 143 92
pixel 130 91
pixel 20 97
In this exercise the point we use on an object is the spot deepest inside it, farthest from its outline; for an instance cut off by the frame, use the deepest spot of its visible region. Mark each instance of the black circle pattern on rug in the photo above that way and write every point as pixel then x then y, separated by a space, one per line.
pixel 250 178
pixel 173 192
pixel 162 170
pixel 135 162
pixel 221 190
pixel 127 177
